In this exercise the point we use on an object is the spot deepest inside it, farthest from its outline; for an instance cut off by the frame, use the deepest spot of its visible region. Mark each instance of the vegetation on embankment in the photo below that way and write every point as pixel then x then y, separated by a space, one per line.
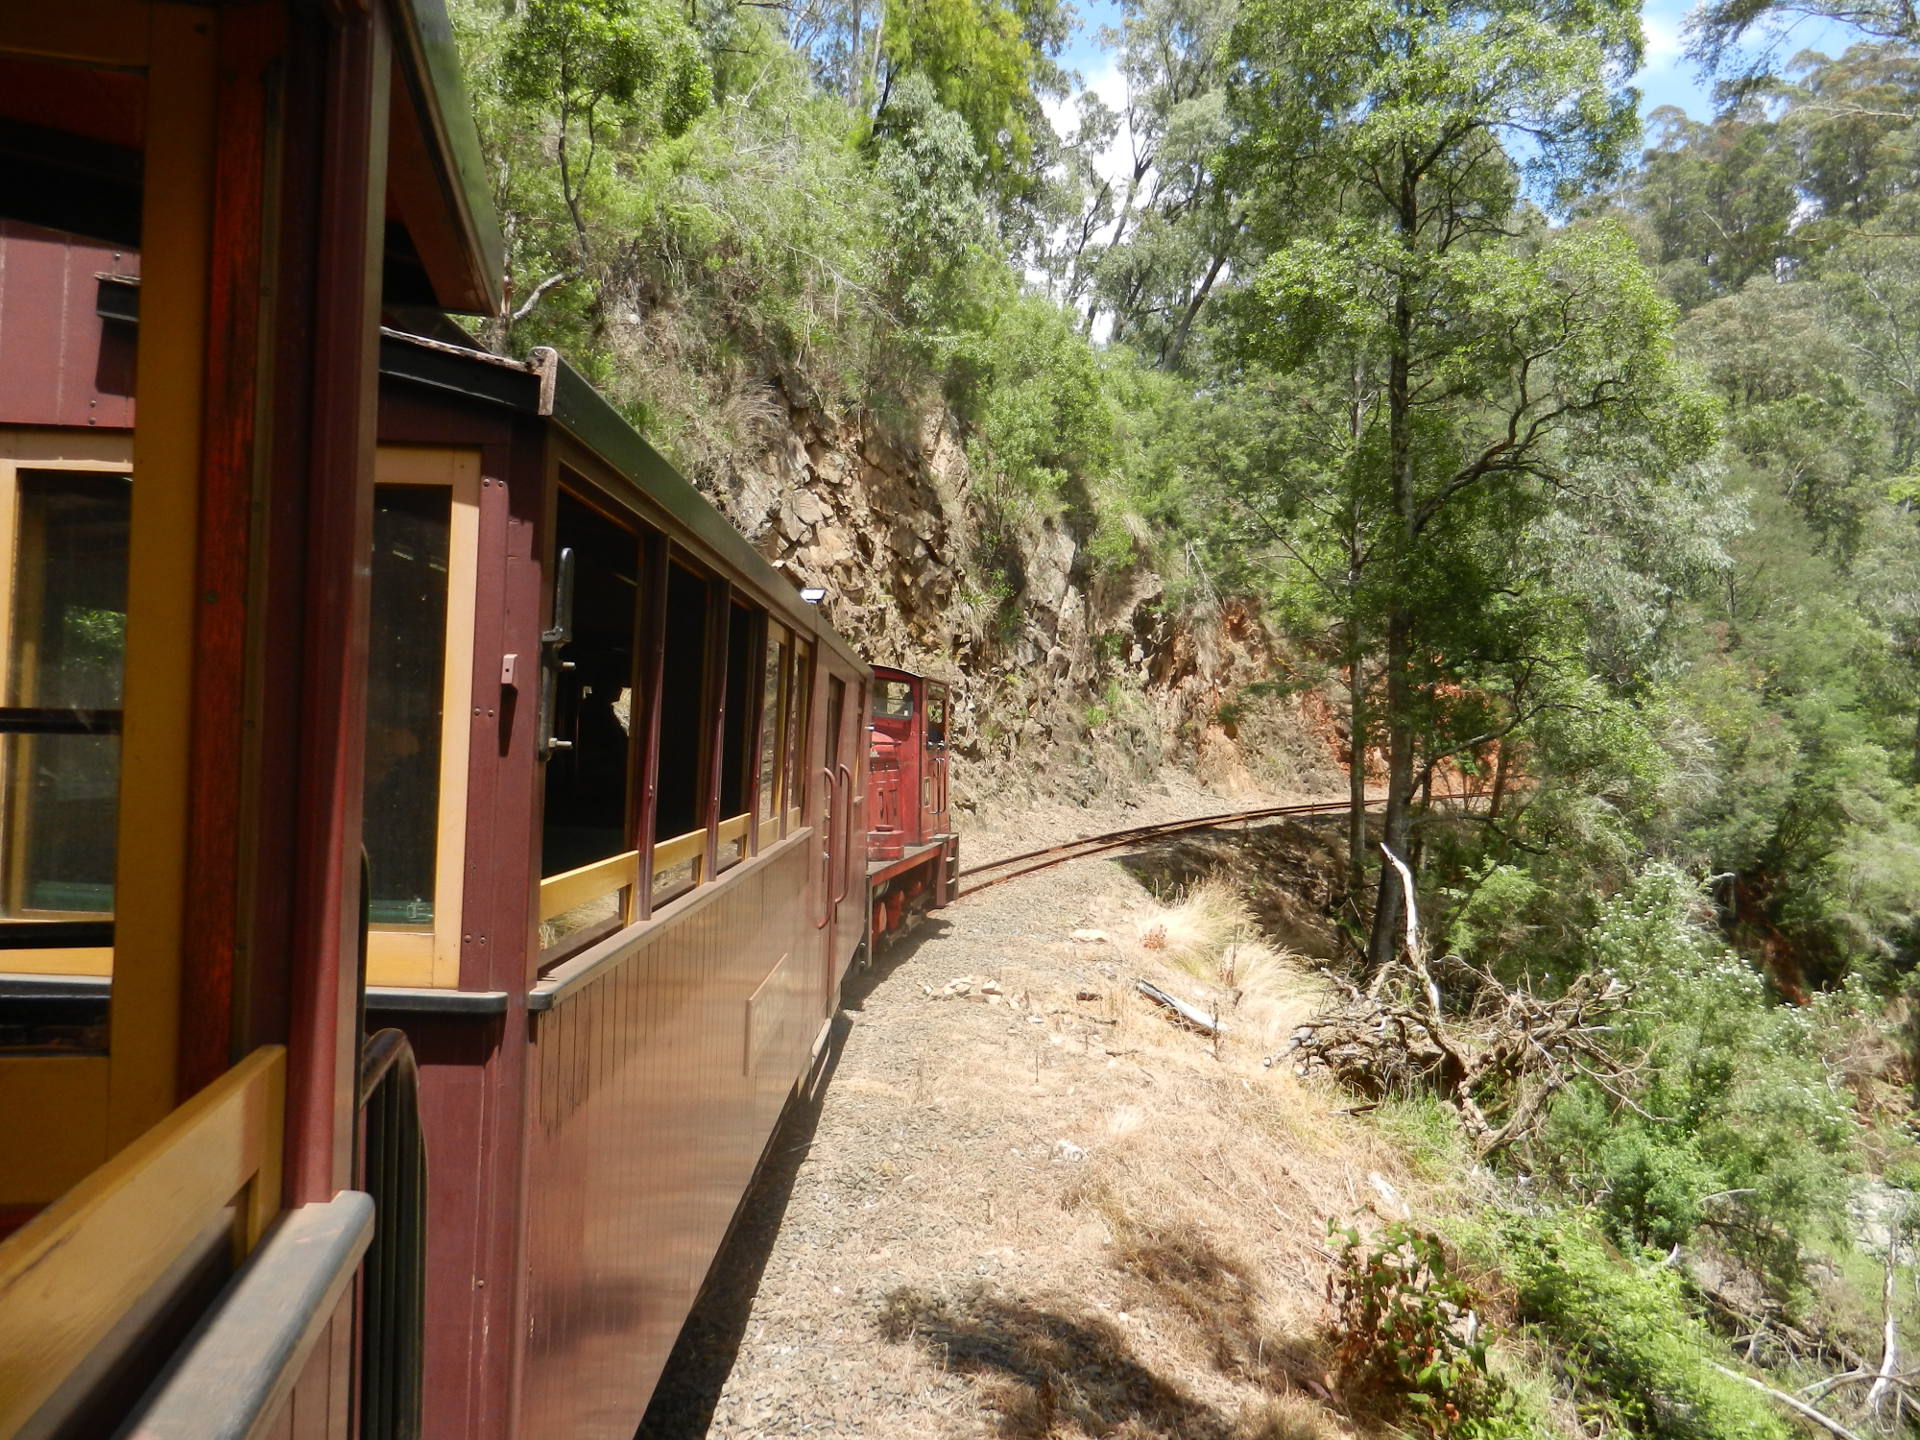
pixel 1366 366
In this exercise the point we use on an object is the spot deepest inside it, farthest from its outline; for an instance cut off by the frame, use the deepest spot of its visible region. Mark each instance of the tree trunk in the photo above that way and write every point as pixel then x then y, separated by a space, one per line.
pixel 1356 765
pixel 1358 854
pixel 1499 779
pixel 1170 355
pixel 1397 824
pixel 854 68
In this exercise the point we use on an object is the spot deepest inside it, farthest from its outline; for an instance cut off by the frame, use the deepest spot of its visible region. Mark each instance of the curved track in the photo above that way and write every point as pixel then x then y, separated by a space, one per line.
pixel 1090 845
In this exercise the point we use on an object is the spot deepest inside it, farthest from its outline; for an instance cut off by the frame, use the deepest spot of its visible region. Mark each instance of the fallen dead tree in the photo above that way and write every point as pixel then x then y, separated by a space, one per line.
pixel 1498 1059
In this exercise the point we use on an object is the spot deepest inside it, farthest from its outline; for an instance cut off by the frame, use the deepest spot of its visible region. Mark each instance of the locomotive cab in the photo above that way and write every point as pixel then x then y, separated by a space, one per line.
pixel 913 856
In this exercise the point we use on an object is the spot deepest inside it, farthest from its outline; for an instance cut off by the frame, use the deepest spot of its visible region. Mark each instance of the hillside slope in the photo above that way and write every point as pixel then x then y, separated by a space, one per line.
pixel 1070 676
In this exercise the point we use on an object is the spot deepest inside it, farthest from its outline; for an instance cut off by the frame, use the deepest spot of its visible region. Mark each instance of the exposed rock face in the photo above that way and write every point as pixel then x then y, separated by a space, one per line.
pixel 1056 664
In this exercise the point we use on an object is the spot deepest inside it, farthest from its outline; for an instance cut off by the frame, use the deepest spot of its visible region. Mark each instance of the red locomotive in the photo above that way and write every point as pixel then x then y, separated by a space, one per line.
pixel 913 855
pixel 431 839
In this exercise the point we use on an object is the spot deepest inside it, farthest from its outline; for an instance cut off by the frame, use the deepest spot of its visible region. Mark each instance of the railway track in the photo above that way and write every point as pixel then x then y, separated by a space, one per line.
pixel 1045 859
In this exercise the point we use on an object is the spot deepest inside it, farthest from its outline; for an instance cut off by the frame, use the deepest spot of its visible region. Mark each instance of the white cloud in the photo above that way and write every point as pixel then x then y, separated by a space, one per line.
pixel 1663 39
pixel 1116 161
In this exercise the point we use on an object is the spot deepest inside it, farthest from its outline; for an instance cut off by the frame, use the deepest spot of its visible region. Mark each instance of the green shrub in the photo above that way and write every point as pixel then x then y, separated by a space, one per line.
pixel 1427 1132
pixel 1632 1345
pixel 1734 1124
pixel 1409 1337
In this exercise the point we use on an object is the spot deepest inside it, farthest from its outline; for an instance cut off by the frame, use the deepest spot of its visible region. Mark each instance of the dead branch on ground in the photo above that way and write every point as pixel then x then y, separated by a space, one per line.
pixel 1799 1407
pixel 1498 1064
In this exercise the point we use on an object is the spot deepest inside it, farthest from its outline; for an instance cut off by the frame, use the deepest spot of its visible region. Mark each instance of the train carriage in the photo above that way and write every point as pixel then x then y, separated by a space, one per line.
pixel 913 852
pixel 615 871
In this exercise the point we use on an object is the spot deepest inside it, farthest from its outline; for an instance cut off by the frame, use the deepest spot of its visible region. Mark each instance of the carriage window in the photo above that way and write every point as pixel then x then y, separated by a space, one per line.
pixel 893 700
pixel 67 623
pixel 680 821
pixel 588 855
pixel 405 676
pixel 419 689
pixel 736 773
pixel 937 715
pixel 774 677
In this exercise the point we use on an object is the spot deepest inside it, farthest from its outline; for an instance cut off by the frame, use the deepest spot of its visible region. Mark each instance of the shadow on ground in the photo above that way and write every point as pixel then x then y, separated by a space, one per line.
pixel 1217 1291
pixel 1043 1369
pixel 1046 1372
pixel 702 1359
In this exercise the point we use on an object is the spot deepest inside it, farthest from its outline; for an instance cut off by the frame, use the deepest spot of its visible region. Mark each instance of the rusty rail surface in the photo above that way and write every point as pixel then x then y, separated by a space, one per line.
pixel 1091 845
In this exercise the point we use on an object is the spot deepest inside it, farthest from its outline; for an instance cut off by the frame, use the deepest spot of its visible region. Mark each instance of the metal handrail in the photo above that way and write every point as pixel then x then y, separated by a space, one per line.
pixel 58 720
pixel 393 1162
pixel 384 1051
pixel 56 934
pixel 232 1377
pixel 826 856
pixel 846 842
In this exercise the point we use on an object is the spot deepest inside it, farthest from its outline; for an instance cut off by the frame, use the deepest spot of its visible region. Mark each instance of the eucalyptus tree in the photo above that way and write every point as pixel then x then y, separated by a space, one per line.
pixel 1168 227
pixel 1391 146
pixel 566 91
pixel 1718 199
pixel 1717 29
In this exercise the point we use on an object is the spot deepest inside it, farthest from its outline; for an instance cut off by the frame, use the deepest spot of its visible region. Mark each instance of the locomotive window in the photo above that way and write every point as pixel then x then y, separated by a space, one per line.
pixel 419 690
pixel 66 617
pixel 680 820
pixel 936 715
pixel 587 843
pixel 893 700
pixel 779 654
pixel 736 763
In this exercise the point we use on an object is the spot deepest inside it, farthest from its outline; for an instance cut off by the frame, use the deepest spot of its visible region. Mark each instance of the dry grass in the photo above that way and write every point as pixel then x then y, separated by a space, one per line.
pixel 1037 1207
pixel 1171 1283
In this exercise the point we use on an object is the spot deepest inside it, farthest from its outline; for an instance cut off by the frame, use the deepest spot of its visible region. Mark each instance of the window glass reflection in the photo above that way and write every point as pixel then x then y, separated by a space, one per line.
pixel 412 526
pixel 68 647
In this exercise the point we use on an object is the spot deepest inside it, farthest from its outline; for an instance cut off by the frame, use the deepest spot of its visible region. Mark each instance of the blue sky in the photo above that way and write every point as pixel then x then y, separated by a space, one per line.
pixel 1667 79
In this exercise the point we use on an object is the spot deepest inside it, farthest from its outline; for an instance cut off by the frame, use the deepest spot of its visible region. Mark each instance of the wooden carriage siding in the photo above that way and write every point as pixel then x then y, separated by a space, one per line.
pixel 612 1109
pixel 659 1073
pixel 66 337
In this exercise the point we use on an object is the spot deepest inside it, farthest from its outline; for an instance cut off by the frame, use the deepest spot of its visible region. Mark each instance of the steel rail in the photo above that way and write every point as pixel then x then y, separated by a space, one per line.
pixel 1091 845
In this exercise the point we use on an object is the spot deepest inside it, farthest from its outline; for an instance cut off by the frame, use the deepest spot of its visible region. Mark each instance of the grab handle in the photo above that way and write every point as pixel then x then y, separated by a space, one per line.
pixel 846 845
pixel 826 855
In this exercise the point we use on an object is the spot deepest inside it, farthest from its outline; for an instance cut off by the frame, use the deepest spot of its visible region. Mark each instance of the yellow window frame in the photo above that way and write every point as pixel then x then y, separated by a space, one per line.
pixel 93 452
pixel 793 789
pixel 429 956
pixel 779 642
pixel 99 1103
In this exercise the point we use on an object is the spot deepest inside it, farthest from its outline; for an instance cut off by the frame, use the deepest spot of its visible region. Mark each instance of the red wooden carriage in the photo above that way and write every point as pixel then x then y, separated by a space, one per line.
pixel 613 872
pixel 359 680
pixel 210 1180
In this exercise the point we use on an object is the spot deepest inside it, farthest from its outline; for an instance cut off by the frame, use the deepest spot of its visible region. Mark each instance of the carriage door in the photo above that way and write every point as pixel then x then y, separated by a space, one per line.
pixel 832 826
pixel 934 770
pixel 850 904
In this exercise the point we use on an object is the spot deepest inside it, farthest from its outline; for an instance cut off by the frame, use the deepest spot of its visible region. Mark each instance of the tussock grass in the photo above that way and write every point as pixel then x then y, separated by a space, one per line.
pixel 1208 933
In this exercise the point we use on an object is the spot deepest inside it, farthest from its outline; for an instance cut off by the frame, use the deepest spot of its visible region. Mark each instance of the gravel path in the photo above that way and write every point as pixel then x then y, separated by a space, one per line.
pixel 924 1180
